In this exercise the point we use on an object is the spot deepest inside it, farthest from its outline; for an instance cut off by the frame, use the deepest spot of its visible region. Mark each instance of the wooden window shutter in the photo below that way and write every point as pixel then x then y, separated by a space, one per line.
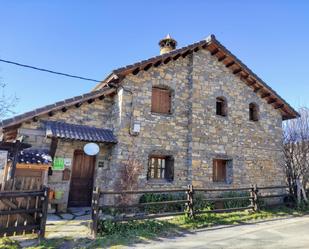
pixel 165 101
pixel 161 100
pixel 155 100
pixel 219 170
pixel 169 169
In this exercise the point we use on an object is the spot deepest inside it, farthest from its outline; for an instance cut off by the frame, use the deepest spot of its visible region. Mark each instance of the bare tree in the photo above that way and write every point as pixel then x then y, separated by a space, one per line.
pixel 128 179
pixel 7 103
pixel 296 151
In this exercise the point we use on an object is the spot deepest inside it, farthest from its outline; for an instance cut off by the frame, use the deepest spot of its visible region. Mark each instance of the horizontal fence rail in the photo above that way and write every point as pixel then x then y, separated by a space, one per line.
pixel 188 204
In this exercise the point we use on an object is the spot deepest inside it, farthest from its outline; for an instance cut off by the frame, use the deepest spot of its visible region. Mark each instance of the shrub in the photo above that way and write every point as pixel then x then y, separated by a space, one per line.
pixel 200 203
pixel 7 243
pixel 135 227
pixel 236 203
pixel 160 208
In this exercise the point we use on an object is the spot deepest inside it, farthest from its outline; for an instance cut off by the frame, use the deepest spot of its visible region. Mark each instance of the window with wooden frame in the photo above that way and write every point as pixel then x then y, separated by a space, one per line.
pixel 253 112
pixel 161 167
pixel 220 170
pixel 161 100
pixel 221 106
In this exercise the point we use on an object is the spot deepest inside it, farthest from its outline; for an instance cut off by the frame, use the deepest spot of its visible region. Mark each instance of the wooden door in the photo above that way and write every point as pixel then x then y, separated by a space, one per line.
pixel 81 180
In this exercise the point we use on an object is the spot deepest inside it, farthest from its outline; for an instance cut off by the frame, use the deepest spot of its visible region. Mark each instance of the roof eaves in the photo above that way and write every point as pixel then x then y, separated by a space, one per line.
pixel 54 107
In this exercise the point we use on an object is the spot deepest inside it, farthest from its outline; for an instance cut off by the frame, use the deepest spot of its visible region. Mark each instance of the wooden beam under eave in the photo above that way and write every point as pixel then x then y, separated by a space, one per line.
pixel 271 101
pixel 265 95
pixel 102 97
pixel 279 106
pixel 221 58
pixel 196 49
pixel 90 101
pixel 51 113
pixel 158 63
pixel 258 89
pixel 77 105
pixel 244 76
pixel 230 64
pixel 176 56
pixel 186 53
pixel 167 60
pixel 35 119
pixel 237 71
pixel 215 51
pixel 146 68
pixel 135 71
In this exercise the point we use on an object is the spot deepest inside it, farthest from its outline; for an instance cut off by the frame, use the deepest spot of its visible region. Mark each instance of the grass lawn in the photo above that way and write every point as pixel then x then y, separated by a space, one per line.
pixel 122 234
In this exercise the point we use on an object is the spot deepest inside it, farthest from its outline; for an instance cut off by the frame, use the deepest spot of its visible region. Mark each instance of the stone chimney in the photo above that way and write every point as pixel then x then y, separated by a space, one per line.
pixel 167 44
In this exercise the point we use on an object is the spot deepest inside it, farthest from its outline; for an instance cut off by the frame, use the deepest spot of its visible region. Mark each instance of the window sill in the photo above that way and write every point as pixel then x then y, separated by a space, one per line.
pixel 159 182
pixel 221 183
pixel 162 114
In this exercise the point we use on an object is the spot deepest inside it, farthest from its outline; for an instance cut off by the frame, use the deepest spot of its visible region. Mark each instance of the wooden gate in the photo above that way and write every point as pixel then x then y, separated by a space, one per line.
pixel 81 180
pixel 23 207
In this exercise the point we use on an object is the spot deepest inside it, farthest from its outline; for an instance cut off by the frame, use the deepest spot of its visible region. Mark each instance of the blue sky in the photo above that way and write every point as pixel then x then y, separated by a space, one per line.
pixel 91 38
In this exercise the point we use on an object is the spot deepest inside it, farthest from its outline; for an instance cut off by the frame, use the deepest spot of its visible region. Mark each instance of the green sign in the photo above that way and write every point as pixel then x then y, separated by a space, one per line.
pixel 58 163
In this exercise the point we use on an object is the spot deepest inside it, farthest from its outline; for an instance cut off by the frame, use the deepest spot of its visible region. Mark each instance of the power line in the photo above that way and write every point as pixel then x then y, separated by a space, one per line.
pixel 48 71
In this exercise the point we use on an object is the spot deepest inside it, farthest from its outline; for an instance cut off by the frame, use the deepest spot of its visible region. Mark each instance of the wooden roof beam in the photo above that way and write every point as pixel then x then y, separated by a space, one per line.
pixel 230 64
pixel 279 106
pixel 158 63
pixel 265 95
pixel 215 51
pixel 77 105
pixel 221 58
pixel 148 66
pixel 271 101
pixel 196 49
pixel 237 71
pixel 135 71
pixel 186 53
pixel 257 89
pixel 176 56
pixel 167 60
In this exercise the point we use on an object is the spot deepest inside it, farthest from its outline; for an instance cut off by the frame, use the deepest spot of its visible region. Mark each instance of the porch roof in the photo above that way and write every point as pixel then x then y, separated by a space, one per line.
pixel 79 132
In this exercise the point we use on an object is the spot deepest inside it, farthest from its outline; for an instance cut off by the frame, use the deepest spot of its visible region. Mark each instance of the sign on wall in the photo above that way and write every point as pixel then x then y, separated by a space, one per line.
pixel 58 163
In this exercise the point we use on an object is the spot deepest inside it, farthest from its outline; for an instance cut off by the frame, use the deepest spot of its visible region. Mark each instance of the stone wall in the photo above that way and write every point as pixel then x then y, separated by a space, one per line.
pixel 193 133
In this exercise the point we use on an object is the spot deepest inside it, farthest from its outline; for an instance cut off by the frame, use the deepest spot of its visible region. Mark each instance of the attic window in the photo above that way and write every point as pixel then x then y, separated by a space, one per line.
pixel 253 112
pixel 221 106
pixel 161 100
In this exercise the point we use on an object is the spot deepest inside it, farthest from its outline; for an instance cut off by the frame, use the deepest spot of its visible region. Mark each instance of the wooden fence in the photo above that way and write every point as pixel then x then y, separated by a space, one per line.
pixel 254 195
pixel 23 207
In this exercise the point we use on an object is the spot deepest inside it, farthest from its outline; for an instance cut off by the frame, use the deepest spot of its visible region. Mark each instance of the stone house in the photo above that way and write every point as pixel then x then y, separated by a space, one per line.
pixel 194 115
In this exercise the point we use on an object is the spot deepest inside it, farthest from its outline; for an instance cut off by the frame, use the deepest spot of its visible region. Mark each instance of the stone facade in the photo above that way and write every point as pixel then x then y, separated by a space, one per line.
pixel 193 134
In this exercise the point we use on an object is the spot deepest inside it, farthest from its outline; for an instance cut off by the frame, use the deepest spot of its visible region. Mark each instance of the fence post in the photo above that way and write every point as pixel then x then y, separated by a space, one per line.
pixel 254 198
pixel 95 211
pixel 44 201
pixel 190 193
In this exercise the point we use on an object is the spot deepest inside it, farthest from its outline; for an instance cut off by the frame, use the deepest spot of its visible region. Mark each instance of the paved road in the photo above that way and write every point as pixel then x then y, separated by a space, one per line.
pixel 288 233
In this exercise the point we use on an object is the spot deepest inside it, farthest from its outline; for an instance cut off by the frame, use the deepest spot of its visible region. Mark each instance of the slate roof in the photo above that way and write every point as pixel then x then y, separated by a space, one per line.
pixel 58 106
pixel 34 156
pixel 223 55
pixel 79 132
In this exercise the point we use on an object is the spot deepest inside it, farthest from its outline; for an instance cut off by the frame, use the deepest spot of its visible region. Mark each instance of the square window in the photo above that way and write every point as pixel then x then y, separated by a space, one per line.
pixel 161 167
